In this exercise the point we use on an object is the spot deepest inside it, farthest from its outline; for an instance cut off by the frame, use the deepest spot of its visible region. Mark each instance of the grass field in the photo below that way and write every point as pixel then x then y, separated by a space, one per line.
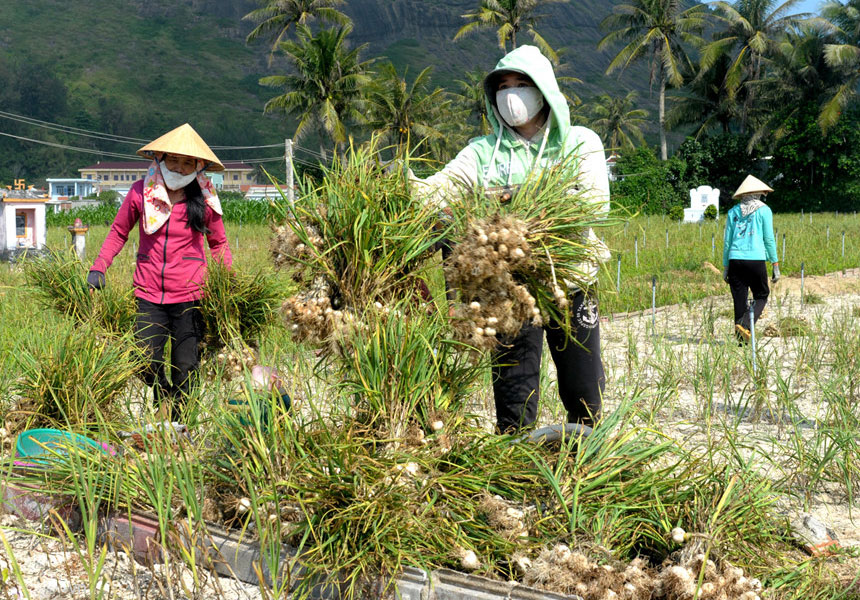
pixel 676 252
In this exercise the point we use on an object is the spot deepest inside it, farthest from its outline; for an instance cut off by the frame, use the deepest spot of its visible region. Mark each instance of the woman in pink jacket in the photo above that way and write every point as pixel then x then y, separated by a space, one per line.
pixel 175 207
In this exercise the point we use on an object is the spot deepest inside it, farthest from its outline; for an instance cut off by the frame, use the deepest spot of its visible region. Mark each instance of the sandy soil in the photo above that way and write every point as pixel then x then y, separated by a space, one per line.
pixel 681 328
pixel 51 569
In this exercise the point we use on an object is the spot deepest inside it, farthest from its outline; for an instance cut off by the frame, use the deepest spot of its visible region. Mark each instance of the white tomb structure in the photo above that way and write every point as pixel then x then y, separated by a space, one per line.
pixel 700 198
pixel 22 221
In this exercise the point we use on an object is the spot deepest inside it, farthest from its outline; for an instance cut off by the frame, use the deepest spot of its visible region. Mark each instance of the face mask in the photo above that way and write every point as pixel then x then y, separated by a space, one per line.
pixel 174 180
pixel 519 105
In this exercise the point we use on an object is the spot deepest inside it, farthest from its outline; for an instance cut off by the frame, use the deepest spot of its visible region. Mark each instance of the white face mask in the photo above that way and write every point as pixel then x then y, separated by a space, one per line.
pixel 174 180
pixel 519 105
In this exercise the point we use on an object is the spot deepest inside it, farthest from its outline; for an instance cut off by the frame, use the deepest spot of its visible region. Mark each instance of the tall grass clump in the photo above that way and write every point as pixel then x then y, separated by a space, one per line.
pixel 60 281
pixel 237 307
pixel 358 509
pixel 400 369
pixel 74 377
pixel 360 248
pixel 515 259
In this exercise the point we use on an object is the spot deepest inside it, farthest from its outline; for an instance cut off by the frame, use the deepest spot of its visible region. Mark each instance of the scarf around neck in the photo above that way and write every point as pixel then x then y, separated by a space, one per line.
pixel 156 203
pixel 750 204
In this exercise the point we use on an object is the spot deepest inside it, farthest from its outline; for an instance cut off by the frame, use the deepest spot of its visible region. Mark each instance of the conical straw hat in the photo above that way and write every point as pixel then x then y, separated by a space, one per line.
pixel 183 140
pixel 752 185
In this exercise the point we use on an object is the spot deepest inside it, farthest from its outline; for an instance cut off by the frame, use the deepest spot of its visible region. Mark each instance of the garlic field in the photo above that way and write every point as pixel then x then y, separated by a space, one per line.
pixel 387 457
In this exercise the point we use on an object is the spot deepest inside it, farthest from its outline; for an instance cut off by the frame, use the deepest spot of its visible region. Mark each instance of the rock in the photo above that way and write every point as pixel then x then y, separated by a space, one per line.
pixel 813 535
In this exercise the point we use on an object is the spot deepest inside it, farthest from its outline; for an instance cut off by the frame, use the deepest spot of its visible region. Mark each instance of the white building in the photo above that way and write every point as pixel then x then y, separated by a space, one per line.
pixel 63 188
pixel 263 192
pixel 700 198
pixel 22 220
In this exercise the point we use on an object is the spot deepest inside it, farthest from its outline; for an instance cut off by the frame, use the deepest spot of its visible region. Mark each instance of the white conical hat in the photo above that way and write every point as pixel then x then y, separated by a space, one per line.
pixel 751 185
pixel 183 140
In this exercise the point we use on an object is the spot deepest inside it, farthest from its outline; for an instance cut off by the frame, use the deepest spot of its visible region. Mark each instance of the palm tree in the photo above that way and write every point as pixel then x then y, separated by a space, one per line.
pixel 799 76
pixel 471 98
pixel 276 17
pixel 616 120
pixel 324 91
pixel 404 114
pixel 752 29
pixel 509 17
pixel 843 55
pixel 705 102
pixel 656 30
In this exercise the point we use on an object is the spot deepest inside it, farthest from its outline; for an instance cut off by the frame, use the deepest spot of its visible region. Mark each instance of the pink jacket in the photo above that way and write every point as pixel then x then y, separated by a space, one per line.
pixel 171 263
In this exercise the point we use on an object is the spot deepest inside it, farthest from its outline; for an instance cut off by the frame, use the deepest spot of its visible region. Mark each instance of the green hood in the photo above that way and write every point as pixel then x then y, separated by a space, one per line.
pixel 529 61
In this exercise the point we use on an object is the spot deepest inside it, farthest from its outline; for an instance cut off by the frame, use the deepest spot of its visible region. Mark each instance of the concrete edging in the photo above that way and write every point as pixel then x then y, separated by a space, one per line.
pixel 230 555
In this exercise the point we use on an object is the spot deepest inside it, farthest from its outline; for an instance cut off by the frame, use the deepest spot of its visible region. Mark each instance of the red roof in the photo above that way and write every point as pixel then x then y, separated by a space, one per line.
pixel 141 166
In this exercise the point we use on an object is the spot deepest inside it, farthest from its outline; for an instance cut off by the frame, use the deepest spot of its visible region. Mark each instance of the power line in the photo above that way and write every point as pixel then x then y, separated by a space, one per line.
pixel 246 147
pixel 117 139
pixel 121 139
pixel 246 161
pixel 119 155
pixel 67 147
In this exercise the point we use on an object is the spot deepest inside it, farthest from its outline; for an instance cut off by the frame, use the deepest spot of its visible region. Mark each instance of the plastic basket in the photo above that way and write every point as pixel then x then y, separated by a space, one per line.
pixel 41 443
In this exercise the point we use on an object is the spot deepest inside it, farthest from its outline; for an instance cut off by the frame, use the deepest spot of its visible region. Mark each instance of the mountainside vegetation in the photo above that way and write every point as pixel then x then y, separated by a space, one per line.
pixel 753 76
pixel 137 69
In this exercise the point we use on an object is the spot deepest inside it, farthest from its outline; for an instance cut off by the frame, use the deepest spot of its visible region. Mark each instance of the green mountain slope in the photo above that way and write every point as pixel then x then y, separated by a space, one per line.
pixel 420 32
pixel 136 68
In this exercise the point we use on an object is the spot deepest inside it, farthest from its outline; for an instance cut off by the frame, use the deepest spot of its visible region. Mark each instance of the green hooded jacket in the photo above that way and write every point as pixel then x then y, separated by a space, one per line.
pixel 505 158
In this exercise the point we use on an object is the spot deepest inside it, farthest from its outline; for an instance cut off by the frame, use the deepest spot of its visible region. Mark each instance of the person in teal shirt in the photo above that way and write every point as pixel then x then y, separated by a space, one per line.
pixel 749 242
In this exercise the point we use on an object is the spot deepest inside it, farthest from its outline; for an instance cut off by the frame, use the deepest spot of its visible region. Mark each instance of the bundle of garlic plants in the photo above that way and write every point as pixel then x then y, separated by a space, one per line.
pixel 354 239
pixel 362 251
pixel 519 252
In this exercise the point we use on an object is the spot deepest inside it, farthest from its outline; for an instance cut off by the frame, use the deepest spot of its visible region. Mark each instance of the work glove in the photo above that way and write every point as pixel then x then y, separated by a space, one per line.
pixel 96 280
pixel 776 274
pixel 726 274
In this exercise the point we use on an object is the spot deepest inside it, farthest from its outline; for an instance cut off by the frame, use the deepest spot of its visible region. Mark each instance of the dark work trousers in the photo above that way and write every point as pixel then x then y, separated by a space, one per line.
pixel 182 324
pixel 743 276
pixel 516 374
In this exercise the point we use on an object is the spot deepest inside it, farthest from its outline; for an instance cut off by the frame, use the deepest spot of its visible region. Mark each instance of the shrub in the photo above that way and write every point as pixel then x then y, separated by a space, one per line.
pixel 89 215
pixel 676 213
pixel 238 210
pixel 643 183
pixel 109 197
pixel 710 213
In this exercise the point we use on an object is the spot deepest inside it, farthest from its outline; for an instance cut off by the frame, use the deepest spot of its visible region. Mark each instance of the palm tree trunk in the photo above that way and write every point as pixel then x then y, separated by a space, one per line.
pixel 664 153
pixel 513 39
pixel 748 101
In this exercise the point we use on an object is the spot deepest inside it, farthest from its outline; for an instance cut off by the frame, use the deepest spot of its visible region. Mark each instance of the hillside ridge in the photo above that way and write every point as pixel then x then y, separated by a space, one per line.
pixel 135 68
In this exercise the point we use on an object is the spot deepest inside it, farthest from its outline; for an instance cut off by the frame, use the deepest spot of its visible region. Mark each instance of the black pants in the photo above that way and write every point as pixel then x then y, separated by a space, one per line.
pixel 746 275
pixel 516 376
pixel 182 325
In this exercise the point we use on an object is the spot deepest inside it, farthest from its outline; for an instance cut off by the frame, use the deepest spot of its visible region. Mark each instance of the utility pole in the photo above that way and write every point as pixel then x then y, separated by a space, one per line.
pixel 288 148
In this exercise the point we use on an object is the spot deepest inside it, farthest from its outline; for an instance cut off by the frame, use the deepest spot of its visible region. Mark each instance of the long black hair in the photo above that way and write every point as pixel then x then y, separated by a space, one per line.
pixel 195 207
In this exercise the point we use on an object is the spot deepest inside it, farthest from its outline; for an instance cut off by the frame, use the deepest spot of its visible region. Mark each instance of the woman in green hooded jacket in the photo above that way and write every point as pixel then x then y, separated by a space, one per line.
pixel 532 130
